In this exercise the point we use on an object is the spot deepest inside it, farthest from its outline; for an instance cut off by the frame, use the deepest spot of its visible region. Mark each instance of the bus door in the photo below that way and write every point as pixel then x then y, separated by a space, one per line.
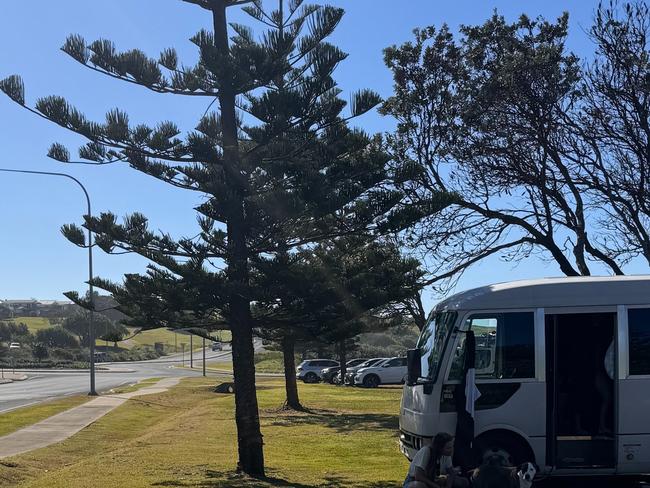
pixel 581 391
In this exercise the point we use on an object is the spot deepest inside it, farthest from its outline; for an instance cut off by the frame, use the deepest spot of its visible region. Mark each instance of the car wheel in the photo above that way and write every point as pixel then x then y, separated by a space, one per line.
pixel 332 380
pixel 371 381
pixel 311 377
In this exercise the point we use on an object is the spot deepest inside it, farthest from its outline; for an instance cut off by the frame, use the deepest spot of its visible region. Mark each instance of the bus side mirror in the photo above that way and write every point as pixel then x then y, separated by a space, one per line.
pixel 414 366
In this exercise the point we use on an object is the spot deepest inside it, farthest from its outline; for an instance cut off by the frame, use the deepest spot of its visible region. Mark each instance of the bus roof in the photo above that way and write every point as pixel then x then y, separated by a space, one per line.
pixel 583 291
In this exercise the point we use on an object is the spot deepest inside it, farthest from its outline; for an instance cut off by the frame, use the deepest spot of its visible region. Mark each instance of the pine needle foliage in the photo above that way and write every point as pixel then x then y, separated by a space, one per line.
pixel 274 158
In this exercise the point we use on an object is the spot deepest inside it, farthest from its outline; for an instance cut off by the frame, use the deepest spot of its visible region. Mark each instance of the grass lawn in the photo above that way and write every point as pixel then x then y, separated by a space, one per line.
pixel 17 419
pixel 265 362
pixel 135 386
pixel 33 323
pixel 186 438
pixel 150 337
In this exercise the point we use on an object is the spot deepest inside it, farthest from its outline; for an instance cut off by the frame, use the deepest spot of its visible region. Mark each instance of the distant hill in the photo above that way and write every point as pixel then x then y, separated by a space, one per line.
pixel 33 307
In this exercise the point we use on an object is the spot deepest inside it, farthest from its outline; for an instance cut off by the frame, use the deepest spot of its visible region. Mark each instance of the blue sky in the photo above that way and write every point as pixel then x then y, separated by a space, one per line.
pixel 36 261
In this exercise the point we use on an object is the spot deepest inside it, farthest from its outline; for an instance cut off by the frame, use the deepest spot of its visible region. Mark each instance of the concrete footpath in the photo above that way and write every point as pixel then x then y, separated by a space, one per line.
pixel 65 424
pixel 11 377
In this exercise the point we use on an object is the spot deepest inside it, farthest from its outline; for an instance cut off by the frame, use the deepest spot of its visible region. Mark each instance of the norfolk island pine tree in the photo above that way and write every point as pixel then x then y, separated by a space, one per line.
pixel 245 171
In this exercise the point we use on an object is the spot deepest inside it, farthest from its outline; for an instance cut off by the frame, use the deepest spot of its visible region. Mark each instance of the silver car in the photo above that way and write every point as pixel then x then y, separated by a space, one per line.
pixel 309 370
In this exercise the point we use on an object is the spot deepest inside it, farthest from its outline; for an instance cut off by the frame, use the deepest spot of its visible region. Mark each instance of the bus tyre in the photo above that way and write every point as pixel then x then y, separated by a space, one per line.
pixel 371 381
pixel 311 377
pixel 509 447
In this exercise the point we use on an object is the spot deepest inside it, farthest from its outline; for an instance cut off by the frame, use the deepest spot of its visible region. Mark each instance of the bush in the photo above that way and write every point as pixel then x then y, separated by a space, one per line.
pixel 40 352
pixel 49 363
pixel 56 337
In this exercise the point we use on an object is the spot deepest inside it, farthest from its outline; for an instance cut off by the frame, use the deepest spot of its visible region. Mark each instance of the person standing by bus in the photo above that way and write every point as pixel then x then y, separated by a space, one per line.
pixel 432 466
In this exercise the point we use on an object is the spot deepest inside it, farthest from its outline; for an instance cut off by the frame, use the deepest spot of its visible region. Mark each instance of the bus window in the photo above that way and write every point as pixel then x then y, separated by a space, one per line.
pixel 639 334
pixel 433 339
pixel 505 346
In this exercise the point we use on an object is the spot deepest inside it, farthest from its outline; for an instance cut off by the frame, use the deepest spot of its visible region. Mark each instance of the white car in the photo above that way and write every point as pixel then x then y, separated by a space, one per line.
pixel 351 372
pixel 391 371
pixel 309 370
pixel 14 345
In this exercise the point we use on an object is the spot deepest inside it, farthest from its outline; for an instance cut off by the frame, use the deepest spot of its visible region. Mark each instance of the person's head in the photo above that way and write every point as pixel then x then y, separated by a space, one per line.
pixel 443 444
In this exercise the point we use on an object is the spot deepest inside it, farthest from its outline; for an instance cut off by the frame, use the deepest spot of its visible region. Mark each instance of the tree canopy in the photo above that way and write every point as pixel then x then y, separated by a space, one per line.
pixel 544 155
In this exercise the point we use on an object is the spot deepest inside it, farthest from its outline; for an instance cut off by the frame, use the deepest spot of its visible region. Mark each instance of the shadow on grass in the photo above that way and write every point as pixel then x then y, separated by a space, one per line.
pixel 225 479
pixel 342 422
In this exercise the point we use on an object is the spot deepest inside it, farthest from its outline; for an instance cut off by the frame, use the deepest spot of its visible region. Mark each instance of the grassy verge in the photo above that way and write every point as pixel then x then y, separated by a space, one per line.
pixel 166 337
pixel 225 365
pixel 269 362
pixel 265 362
pixel 22 417
pixel 136 386
pixel 186 438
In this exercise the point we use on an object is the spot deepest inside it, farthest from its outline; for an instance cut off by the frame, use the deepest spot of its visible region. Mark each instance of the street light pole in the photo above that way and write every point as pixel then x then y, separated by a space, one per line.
pixel 91 332
pixel 204 356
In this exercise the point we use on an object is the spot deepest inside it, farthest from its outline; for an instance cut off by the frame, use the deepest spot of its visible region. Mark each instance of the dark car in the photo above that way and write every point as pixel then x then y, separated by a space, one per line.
pixel 330 374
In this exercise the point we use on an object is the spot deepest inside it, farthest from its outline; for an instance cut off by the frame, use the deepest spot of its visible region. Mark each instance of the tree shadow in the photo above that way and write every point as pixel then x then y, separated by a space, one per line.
pixel 218 479
pixel 341 422
pixel 229 479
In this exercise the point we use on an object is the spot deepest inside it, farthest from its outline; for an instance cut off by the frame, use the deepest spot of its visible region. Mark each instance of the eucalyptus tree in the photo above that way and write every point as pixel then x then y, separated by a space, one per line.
pixel 614 128
pixel 265 159
pixel 490 117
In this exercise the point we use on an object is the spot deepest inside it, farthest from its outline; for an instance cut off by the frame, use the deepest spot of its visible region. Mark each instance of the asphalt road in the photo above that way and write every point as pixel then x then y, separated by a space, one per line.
pixel 43 385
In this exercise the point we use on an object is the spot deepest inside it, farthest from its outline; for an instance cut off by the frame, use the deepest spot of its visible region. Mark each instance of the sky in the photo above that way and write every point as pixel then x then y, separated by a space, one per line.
pixel 36 261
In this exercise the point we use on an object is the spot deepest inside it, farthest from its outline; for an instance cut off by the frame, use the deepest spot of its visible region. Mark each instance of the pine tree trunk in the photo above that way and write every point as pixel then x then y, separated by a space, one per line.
pixel 290 383
pixel 343 359
pixel 249 436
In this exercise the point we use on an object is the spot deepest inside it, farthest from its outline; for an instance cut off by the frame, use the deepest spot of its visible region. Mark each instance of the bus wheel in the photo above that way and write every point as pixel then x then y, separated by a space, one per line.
pixel 510 447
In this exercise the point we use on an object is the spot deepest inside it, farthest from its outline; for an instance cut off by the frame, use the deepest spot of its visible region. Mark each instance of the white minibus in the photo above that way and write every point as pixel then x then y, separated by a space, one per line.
pixel 563 370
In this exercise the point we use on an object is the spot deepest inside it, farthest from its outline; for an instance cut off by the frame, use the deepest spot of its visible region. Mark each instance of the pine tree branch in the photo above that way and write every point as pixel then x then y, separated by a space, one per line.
pixel 154 88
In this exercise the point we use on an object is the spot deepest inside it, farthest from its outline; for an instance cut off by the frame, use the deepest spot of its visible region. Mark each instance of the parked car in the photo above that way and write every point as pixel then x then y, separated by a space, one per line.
pixel 101 357
pixel 310 370
pixel 391 371
pixel 349 374
pixel 217 346
pixel 329 374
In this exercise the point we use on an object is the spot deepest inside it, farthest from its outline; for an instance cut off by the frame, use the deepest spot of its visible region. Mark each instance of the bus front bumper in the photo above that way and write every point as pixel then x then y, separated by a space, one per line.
pixel 409 444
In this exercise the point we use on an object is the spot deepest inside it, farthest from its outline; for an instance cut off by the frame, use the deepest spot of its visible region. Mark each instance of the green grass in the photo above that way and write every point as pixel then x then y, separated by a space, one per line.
pixel 269 362
pixel 223 365
pixel 33 323
pixel 22 417
pixel 150 337
pixel 265 362
pixel 135 386
pixel 186 438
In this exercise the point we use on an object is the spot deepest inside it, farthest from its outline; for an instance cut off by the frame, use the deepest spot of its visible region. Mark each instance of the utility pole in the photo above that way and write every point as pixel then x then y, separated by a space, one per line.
pixel 175 344
pixel 183 349
pixel 204 356
pixel 191 352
